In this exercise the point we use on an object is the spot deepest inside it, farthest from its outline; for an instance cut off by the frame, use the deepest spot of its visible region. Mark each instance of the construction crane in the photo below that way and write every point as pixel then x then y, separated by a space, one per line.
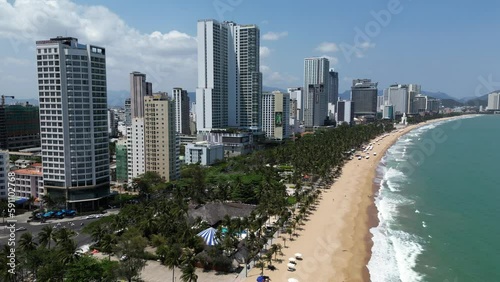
pixel 3 99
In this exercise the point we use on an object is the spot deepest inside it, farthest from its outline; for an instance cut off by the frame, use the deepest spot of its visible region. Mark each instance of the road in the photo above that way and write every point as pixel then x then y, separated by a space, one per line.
pixel 80 238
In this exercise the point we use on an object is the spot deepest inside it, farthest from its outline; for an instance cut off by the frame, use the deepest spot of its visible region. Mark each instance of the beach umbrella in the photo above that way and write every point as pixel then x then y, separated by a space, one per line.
pixel 261 279
pixel 298 255
pixel 291 259
pixel 208 235
pixel 293 280
pixel 291 266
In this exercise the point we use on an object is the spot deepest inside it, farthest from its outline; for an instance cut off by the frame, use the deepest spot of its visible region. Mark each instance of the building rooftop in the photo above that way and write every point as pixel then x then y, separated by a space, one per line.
pixel 28 171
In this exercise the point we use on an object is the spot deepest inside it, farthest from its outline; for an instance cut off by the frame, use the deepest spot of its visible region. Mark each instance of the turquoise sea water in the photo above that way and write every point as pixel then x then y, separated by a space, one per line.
pixel 439 204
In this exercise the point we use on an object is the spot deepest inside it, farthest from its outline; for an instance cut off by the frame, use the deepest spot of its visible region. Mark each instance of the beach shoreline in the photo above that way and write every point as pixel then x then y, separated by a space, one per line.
pixel 336 241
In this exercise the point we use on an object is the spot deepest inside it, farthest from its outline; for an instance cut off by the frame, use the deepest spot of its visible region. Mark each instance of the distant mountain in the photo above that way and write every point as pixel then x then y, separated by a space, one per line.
pixel 116 98
pixel 450 103
pixel 439 95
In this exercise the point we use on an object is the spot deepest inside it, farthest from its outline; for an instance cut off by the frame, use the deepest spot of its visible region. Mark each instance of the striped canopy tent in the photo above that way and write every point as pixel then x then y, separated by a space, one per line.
pixel 208 235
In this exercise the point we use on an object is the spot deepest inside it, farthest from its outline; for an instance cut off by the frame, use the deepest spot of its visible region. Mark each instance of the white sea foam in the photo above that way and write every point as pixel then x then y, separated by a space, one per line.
pixel 424 225
pixel 394 252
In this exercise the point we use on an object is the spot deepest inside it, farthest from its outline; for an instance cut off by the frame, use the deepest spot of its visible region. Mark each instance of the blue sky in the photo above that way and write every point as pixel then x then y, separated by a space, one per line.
pixel 448 46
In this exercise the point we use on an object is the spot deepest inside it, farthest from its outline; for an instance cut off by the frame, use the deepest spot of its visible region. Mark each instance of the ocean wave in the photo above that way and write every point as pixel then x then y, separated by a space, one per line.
pixel 394 254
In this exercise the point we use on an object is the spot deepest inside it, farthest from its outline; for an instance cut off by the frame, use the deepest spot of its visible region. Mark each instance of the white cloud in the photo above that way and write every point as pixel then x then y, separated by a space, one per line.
pixel 168 58
pixel 274 35
pixel 327 47
pixel 9 61
pixel 264 51
pixel 275 78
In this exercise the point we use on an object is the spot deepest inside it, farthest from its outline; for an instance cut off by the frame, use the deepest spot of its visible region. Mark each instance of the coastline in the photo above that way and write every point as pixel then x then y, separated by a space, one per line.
pixel 336 241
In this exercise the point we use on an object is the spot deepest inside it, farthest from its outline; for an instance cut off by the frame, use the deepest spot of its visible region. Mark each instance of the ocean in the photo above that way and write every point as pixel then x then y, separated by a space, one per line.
pixel 439 204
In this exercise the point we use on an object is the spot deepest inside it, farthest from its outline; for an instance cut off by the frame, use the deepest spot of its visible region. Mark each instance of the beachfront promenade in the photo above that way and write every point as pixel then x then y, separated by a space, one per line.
pixel 335 242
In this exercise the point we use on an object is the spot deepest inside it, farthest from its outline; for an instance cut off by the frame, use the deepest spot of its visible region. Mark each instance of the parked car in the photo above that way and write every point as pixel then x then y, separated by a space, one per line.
pixel 70 212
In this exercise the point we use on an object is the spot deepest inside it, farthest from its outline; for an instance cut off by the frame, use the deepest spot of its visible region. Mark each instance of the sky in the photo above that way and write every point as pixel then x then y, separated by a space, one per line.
pixel 448 46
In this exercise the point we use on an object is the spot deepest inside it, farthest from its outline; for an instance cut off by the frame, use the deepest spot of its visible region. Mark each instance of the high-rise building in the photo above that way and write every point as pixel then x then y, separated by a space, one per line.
pixel 297 94
pixel 229 79
pixel 112 124
pixel 420 103
pixel 494 101
pixel 398 97
pixel 276 115
pixel 19 127
pixel 73 121
pixel 121 161
pixel 333 87
pixel 4 170
pixel 128 112
pixel 135 149
pixel 316 110
pixel 345 112
pixel 316 72
pixel 181 101
pixel 388 112
pixel 138 89
pixel 149 88
pixel 380 103
pixel 161 144
pixel 364 94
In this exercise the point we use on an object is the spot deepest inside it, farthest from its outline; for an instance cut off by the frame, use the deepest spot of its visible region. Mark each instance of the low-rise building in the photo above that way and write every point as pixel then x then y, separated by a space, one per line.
pixel 204 153
pixel 29 181
pixel 235 143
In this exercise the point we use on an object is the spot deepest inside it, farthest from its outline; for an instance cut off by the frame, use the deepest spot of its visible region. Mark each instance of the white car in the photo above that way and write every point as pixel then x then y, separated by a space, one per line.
pixel 90 216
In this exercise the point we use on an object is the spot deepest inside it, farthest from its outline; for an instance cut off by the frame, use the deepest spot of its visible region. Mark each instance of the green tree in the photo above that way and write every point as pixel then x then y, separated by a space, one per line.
pixel 130 249
pixel 46 236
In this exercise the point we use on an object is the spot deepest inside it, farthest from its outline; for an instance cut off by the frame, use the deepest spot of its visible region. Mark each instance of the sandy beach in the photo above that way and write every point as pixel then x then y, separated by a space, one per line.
pixel 335 242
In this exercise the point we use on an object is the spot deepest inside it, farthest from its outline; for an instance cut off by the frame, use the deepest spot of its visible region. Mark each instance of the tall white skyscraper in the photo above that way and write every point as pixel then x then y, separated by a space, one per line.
pixel 316 72
pixel 135 149
pixel 494 101
pixel 181 101
pixel 73 121
pixel 229 79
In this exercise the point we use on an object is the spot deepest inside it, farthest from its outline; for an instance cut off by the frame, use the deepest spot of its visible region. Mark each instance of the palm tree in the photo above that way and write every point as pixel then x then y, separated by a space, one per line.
pixel 189 273
pixel 187 267
pixel 107 243
pixel 170 257
pixel 27 242
pixel 46 236
pixel 98 233
pixel 63 236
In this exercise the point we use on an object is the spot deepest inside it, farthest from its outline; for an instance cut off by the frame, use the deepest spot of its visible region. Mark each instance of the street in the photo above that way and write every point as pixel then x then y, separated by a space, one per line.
pixel 35 227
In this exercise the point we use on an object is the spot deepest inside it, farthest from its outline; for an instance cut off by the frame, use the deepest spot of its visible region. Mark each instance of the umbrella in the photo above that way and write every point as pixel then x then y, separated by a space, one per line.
pixel 291 265
pixel 208 235
pixel 291 260
pixel 261 279
pixel 298 255
pixel 293 280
